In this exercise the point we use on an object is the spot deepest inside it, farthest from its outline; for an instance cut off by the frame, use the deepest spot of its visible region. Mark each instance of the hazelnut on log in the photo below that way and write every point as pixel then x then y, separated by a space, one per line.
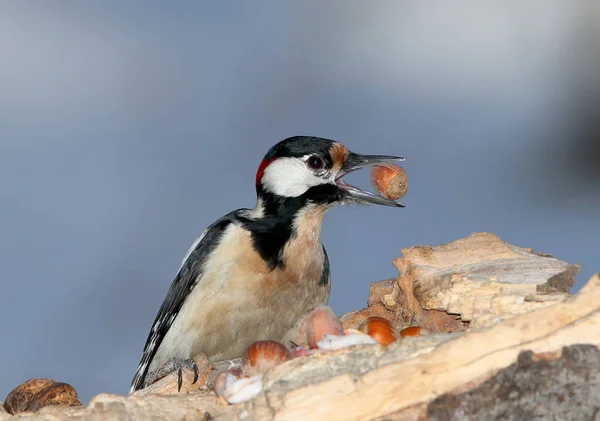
pixel 300 352
pixel 35 394
pixel 390 180
pixel 322 321
pixel 331 343
pixel 243 389
pixel 311 327
pixel 410 331
pixel 380 329
pixel 224 379
pixel 261 356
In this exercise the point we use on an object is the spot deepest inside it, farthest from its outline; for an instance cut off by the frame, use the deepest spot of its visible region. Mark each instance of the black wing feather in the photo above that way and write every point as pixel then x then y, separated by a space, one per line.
pixel 184 282
pixel 325 276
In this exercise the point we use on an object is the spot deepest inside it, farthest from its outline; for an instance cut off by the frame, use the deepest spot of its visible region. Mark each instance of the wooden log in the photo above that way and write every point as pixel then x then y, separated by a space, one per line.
pixel 501 339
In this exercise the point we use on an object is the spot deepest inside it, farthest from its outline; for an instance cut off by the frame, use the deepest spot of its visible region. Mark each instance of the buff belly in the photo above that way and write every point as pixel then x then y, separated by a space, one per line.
pixel 239 300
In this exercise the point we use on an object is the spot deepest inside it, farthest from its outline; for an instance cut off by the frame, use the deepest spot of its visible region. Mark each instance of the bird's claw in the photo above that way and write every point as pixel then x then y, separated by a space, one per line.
pixel 196 372
pixel 175 365
pixel 179 379
pixel 190 363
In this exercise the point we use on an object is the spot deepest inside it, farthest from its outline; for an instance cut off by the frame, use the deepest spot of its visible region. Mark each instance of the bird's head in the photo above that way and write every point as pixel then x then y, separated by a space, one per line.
pixel 311 169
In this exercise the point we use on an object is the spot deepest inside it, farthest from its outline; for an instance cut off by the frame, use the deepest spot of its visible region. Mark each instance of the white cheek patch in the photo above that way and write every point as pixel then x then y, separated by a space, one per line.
pixel 290 177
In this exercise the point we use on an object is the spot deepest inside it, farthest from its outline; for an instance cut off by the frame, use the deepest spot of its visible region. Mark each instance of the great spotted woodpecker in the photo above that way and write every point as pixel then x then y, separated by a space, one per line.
pixel 252 273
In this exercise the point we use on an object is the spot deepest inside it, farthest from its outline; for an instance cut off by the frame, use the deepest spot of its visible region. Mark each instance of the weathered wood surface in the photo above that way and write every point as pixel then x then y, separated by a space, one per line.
pixel 465 371
pixel 475 281
pixel 483 279
pixel 556 386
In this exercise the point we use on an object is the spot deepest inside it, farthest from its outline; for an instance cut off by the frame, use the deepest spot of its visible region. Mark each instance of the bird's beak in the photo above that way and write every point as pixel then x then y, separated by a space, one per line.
pixel 355 162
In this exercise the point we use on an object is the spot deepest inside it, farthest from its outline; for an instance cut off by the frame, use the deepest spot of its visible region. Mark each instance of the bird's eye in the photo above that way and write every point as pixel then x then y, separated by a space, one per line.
pixel 315 162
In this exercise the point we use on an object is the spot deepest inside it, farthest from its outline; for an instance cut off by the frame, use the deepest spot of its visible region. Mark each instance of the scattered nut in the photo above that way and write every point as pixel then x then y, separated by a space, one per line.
pixel 35 394
pixel 390 180
pixel 410 331
pixel 380 329
pixel 331 342
pixel 224 379
pixel 262 356
pixel 234 387
pixel 243 389
pixel 300 352
pixel 320 322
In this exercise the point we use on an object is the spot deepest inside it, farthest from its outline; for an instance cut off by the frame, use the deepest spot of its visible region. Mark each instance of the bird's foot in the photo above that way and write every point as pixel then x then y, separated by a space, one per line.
pixel 172 365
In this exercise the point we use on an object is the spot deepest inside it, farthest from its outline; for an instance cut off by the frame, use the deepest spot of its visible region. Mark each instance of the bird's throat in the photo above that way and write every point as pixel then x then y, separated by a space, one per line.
pixel 284 228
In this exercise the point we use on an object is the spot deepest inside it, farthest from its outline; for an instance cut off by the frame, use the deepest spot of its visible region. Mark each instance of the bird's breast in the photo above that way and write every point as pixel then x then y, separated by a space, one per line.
pixel 239 299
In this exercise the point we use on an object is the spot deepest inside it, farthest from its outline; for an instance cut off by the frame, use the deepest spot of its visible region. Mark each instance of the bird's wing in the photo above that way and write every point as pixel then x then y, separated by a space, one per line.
pixel 185 280
pixel 326 275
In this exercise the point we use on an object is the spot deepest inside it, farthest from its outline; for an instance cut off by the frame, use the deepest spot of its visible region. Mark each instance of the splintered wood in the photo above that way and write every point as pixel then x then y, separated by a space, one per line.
pixel 483 279
pixel 475 281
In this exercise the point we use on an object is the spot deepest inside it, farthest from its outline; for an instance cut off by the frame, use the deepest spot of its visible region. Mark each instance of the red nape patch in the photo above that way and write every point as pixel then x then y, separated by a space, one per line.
pixel 261 169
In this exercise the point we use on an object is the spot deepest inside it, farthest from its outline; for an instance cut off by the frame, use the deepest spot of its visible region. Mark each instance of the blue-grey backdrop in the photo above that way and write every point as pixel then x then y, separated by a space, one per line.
pixel 127 127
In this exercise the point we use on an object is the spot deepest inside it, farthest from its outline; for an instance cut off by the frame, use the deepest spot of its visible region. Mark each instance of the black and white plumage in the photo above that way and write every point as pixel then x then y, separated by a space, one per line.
pixel 252 273
pixel 184 282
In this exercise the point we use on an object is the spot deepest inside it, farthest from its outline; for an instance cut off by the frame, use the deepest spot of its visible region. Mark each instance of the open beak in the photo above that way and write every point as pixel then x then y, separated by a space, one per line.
pixel 355 162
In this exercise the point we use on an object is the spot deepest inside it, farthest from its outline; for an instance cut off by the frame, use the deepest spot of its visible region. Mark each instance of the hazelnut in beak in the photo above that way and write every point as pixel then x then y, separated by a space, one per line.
pixel 390 180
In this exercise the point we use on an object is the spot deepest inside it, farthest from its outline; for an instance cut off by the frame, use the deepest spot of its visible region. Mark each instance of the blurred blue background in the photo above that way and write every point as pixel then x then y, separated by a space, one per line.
pixel 127 127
